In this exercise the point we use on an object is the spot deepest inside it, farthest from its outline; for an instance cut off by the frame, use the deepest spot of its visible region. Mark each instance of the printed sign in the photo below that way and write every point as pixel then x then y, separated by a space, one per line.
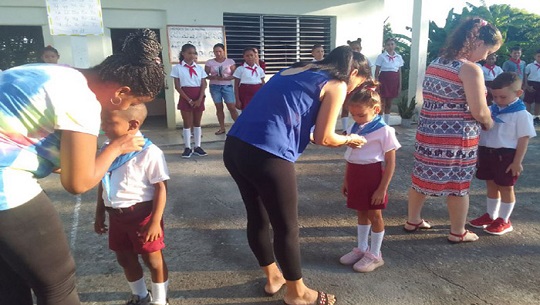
pixel 202 37
pixel 75 17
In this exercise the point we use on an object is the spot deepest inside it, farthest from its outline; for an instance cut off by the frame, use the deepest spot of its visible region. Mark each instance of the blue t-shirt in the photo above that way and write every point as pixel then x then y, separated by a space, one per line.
pixel 279 117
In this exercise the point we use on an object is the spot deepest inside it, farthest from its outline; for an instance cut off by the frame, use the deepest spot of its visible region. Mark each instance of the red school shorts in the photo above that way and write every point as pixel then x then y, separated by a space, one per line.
pixel 362 181
pixel 532 97
pixel 193 93
pixel 246 92
pixel 124 227
pixel 492 164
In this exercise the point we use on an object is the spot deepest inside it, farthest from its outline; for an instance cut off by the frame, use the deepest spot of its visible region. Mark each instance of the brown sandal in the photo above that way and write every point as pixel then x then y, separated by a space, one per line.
pixel 423 225
pixel 462 238
pixel 221 131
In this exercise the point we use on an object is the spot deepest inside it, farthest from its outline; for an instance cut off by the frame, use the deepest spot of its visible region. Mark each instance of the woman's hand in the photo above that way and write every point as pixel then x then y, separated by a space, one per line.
pixel 356 141
pixel 127 143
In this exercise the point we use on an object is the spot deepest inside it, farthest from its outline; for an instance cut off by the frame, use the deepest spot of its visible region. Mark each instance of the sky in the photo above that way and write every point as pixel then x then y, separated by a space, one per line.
pixel 400 11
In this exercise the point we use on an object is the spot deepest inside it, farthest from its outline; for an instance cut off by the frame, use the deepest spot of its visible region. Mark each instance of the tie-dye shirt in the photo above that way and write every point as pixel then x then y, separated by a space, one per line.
pixel 37 102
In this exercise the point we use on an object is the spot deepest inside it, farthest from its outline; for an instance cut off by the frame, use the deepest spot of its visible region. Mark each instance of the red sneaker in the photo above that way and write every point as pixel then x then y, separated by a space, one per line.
pixel 481 222
pixel 499 227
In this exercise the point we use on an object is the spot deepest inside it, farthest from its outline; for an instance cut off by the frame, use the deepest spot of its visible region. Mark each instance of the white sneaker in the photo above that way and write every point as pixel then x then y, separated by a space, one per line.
pixel 352 257
pixel 368 263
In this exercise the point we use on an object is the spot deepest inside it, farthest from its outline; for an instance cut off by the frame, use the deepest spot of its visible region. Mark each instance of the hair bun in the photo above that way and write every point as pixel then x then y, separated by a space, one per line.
pixel 141 46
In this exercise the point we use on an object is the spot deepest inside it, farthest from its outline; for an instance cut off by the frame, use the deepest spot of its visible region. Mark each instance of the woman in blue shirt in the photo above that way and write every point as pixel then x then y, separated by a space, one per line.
pixel 263 145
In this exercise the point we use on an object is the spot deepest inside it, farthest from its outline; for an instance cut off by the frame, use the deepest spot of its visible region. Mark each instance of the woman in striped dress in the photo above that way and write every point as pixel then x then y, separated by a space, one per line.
pixel 449 124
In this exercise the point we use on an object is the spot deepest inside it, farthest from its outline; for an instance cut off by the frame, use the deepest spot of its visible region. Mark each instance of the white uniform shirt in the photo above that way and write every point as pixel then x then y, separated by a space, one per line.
pixel 533 71
pixel 181 72
pixel 378 143
pixel 249 77
pixel 489 75
pixel 505 135
pixel 388 62
pixel 133 182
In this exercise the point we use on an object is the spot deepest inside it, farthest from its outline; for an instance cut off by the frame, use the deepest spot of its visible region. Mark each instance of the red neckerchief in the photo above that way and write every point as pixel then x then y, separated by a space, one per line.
pixel 490 68
pixel 390 58
pixel 191 70
pixel 537 65
pixel 517 62
pixel 252 69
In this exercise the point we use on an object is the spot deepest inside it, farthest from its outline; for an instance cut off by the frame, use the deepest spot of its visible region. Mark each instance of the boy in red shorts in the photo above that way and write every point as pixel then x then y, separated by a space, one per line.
pixel 501 152
pixel 134 192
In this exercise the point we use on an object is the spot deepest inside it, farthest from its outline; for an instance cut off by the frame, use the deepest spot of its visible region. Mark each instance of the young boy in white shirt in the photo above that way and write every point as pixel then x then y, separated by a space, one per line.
pixel 501 152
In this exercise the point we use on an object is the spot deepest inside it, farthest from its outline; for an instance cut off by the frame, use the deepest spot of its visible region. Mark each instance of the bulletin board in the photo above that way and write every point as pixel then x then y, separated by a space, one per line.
pixel 75 17
pixel 202 37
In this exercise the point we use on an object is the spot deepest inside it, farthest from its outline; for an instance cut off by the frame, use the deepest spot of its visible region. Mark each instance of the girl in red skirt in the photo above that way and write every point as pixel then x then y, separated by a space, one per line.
pixel 190 82
pixel 248 79
pixel 388 73
pixel 367 176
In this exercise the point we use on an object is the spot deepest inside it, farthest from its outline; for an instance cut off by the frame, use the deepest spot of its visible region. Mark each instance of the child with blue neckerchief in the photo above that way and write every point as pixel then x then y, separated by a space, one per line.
pixel 501 151
pixel 367 176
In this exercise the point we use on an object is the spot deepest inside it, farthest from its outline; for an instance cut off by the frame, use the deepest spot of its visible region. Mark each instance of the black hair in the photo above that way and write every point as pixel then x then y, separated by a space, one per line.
pixel 366 94
pixel 247 49
pixel 460 42
pixel 185 47
pixel 537 51
pixel 358 41
pixel 137 112
pixel 316 46
pixel 389 39
pixel 135 66
pixel 219 45
pixel 515 48
pixel 50 48
pixel 340 62
pixel 507 79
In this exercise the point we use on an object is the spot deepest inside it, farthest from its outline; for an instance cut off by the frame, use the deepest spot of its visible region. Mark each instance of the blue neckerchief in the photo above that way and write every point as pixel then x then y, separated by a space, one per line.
pixel 119 161
pixel 376 123
pixel 514 107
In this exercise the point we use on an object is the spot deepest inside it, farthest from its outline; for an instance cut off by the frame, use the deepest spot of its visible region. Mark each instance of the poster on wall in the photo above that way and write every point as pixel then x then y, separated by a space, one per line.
pixel 75 17
pixel 202 37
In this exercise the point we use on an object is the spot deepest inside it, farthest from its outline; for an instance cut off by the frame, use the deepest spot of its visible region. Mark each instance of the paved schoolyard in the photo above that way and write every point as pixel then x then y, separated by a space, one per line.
pixel 210 262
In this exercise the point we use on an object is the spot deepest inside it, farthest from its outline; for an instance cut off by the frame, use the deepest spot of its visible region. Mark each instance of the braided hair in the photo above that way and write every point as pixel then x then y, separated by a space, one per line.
pixel 135 66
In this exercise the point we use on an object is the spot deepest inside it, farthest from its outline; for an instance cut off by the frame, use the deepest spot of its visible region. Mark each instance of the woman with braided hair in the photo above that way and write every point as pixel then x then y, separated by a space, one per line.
pixel 49 121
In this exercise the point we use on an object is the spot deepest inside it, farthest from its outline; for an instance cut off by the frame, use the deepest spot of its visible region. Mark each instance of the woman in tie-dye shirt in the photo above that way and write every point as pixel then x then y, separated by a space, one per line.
pixel 49 120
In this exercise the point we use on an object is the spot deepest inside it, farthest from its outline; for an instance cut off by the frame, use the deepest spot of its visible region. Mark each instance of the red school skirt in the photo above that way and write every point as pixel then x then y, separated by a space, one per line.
pixel 362 181
pixel 389 84
pixel 246 92
pixel 193 93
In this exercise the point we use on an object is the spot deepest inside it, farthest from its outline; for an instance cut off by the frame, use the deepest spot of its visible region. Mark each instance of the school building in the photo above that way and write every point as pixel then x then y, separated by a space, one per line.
pixel 283 30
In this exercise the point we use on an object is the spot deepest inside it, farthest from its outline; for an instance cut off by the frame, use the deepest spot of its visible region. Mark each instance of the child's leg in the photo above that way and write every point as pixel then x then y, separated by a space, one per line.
pixel 197 131
pixel 377 231
pixel 364 226
pixel 187 117
pixel 129 261
pixel 508 200
pixel 493 199
pixel 160 275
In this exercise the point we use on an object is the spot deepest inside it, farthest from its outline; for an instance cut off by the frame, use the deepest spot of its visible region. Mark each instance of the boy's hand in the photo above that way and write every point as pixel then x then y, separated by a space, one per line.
pixel 150 232
pixel 99 225
pixel 515 168
pixel 378 197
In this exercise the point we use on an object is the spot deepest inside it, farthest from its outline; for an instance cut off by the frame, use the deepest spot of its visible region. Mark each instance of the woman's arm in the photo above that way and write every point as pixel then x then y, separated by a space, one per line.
pixel 332 97
pixel 81 169
pixel 210 77
pixel 473 84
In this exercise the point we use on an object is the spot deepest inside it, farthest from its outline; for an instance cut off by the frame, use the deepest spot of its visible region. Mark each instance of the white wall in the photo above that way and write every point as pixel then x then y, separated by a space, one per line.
pixel 354 19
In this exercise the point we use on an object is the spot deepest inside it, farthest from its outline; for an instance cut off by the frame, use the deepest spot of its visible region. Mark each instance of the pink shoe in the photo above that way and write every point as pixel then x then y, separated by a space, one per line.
pixel 352 257
pixel 481 222
pixel 368 263
pixel 499 227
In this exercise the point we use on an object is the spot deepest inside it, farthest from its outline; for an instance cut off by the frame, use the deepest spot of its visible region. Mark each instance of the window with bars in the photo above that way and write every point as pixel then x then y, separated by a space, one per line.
pixel 281 40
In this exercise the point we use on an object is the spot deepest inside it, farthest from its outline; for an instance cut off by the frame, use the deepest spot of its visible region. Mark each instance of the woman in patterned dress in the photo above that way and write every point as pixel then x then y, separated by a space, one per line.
pixel 449 124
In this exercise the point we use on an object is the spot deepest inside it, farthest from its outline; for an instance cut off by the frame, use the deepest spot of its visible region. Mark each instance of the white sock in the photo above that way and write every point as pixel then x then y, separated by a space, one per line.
pixel 506 210
pixel 138 287
pixel 363 236
pixel 159 292
pixel 344 123
pixel 197 133
pixel 376 243
pixel 386 118
pixel 493 206
pixel 187 137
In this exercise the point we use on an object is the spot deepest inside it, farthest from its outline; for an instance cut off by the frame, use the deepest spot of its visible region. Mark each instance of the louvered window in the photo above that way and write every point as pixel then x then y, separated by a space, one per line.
pixel 281 40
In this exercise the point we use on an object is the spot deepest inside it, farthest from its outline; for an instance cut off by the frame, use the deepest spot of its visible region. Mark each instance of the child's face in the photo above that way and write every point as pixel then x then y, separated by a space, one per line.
pixel 190 55
pixel 505 96
pixel 114 125
pixel 50 57
pixel 516 54
pixel 390 46
pixel 537 57
pixel 362 113
pixel 318 53
pixel 250 57
pixel 491 59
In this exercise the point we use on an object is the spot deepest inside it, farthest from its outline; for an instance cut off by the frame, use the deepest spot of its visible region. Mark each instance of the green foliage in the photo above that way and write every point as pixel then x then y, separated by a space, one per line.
pixel 406 109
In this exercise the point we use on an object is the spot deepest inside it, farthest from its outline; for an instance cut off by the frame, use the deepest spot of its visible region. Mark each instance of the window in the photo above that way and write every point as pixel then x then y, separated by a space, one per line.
pixel 20 45
pixel 281 40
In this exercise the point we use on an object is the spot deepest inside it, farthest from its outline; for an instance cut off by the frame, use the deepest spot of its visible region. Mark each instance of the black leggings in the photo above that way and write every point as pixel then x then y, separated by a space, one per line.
pixel 34 255
pixel 268 187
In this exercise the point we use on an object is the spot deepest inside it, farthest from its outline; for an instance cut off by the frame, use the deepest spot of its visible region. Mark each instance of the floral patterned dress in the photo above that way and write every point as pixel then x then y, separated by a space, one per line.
pixel 447 134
